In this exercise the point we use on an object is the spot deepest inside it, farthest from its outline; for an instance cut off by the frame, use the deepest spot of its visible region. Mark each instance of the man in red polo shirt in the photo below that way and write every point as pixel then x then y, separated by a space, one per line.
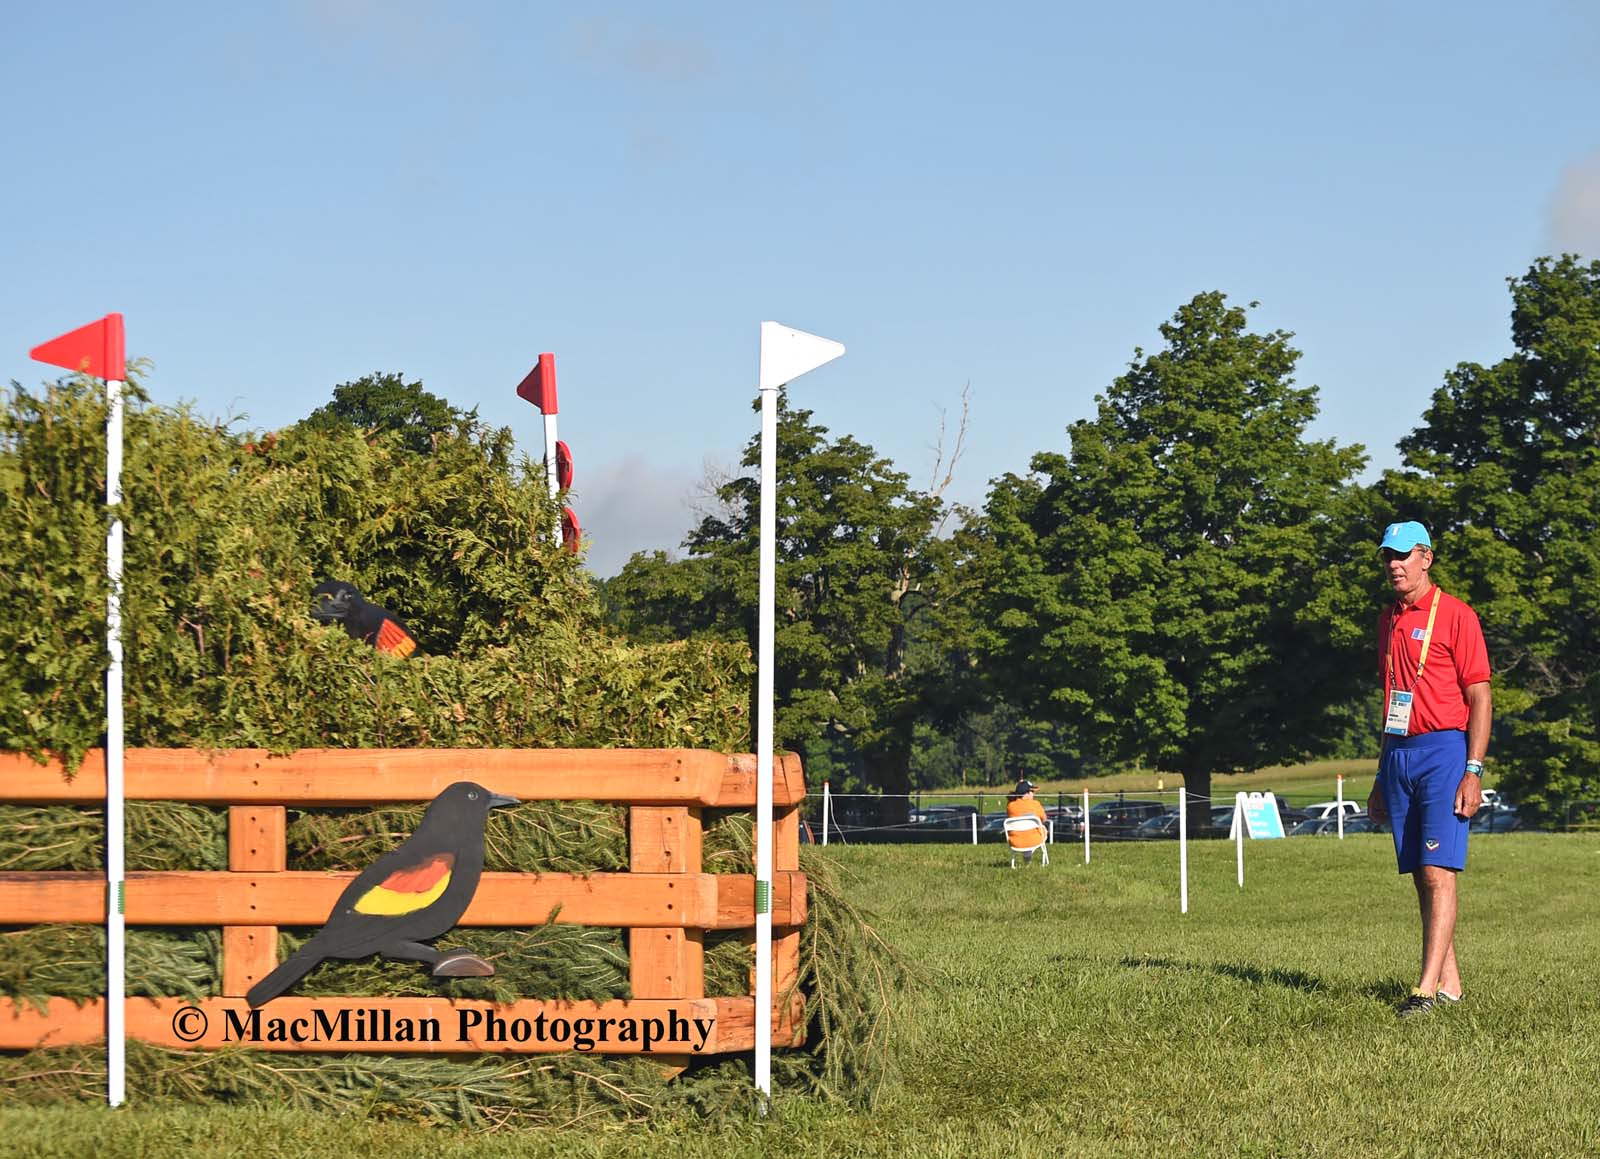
pixel 1437 709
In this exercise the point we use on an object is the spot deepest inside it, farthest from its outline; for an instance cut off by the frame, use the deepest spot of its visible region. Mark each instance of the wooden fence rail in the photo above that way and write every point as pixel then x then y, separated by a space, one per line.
pixel 666 901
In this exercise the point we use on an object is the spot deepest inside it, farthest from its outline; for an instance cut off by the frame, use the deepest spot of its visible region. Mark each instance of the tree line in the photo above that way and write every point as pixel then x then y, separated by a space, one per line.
pixel 1189 583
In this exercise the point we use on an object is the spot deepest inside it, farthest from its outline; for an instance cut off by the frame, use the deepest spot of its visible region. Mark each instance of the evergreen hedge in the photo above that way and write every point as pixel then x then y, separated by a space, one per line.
pixel 226 534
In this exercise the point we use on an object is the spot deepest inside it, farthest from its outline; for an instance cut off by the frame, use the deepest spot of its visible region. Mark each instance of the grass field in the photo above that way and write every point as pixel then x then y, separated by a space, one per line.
pixel 1072 1011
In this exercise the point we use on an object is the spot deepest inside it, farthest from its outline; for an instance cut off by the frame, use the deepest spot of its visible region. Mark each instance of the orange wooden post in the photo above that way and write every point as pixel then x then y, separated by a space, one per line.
pixel 256 842
pixel 666 963
pixel 788 1014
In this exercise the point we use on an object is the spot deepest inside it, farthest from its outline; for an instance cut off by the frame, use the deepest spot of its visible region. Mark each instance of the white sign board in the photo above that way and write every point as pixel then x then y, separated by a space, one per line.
pixel 1260 813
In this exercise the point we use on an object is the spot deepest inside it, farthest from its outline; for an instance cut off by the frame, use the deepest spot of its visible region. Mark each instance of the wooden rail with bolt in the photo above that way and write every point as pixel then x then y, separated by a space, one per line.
pixel 666 901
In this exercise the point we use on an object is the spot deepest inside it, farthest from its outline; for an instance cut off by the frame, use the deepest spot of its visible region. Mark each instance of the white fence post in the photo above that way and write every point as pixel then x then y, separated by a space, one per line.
pixel 1238 833
pixel 1086 826
pixel 1183 850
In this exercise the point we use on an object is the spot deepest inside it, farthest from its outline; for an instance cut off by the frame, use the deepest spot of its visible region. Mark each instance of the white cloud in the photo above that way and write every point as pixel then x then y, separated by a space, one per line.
pixel 632 505
pixel 1572 223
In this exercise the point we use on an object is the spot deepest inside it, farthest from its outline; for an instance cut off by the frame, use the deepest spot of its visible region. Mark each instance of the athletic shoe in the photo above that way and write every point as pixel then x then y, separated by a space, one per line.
pixel 1446 997
pixel 1416 1003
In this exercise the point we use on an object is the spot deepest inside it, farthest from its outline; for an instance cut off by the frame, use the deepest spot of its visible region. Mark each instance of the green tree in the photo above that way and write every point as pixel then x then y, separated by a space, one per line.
pixel 387 402
pixel 857 552
pixel 1183 587
pixel 1506 468
pixel 655 599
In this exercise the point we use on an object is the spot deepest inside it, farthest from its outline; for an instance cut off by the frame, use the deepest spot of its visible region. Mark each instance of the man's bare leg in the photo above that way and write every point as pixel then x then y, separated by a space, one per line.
pixel 1436 896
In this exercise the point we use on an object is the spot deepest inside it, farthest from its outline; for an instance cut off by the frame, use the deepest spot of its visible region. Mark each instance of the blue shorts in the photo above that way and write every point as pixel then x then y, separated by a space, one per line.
pixel 1419 776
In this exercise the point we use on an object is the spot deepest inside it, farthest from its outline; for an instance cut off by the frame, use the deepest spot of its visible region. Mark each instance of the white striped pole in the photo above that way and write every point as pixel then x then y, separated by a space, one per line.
pixel 116 929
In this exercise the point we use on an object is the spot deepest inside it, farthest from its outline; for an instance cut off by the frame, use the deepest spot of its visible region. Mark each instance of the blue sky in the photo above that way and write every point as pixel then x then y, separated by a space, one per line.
pixel 282 197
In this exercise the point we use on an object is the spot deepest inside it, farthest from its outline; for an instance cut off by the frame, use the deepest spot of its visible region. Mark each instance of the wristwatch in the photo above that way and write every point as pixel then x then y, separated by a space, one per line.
pixel 1475 768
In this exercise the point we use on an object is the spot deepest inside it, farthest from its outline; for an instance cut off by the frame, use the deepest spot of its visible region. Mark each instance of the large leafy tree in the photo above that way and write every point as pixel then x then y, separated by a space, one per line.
pixel 656 599
pixel 1507 467
pixel 387 402
pixel 1186 585
pixel 857 556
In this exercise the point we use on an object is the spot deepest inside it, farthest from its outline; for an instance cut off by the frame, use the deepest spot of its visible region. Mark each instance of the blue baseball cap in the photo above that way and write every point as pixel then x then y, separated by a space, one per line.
pixel 1405 536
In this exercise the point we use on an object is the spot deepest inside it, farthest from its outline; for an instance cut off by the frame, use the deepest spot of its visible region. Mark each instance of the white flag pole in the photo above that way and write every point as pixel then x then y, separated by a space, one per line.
pixel 550 465
pixel 785 355
pixel 116 931
pixel 1183 850
pixel 764 728
pixel 1086 826
pixel 1340 806
pixel 97 350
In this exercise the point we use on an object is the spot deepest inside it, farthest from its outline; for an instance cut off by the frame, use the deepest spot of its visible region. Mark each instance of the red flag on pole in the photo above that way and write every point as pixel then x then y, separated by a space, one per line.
pixel 95 350
pixel 539 387
pixel 563 465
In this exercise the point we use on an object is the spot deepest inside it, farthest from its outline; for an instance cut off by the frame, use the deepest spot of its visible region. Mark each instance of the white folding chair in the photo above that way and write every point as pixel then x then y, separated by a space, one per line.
pixel 1025 824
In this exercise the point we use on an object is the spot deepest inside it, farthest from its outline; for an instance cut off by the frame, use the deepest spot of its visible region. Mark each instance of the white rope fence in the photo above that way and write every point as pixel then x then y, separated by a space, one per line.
pixel 1121 822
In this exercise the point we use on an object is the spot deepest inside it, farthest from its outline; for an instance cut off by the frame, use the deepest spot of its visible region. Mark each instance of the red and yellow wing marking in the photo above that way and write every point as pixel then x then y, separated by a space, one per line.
pixel 407 890
pixel 394 639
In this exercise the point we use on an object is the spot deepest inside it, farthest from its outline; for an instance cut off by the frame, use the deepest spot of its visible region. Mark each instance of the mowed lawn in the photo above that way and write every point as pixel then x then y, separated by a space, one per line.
pixel 1073 1011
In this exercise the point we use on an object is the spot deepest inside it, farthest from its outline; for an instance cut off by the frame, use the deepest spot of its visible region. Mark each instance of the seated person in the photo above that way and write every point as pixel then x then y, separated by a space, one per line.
pixel 1022 804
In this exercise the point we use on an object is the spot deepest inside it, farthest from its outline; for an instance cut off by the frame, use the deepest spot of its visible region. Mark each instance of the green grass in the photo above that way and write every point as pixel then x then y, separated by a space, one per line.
pixel 1072 1011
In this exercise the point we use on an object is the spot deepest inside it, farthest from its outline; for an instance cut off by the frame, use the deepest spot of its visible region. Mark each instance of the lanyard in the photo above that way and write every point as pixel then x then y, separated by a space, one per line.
pixel 1427 639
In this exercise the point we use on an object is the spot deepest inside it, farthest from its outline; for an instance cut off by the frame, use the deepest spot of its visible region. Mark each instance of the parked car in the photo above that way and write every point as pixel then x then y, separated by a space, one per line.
pixel 1289 814
pixel 1496 819
pixel 1120 818
pixel 1066 821
pixel 1329 826
pixel 1330 808
pixel 944 817
pixel 1164 825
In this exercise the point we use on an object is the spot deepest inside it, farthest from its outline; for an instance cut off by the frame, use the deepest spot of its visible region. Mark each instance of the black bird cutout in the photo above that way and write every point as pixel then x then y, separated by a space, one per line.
pixel 410 894
pixel 338 602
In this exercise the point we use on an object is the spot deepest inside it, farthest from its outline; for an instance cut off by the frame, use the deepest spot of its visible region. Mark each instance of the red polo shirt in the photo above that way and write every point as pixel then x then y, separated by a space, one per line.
pixel 1457 658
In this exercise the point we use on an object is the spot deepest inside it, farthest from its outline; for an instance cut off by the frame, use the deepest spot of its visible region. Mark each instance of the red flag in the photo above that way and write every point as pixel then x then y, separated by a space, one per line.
pixel 563 465
pixel 95 349
pixel 539 387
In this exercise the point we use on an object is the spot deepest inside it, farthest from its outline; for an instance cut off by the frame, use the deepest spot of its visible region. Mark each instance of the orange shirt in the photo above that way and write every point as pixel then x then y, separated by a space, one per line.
pixel 1027 838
